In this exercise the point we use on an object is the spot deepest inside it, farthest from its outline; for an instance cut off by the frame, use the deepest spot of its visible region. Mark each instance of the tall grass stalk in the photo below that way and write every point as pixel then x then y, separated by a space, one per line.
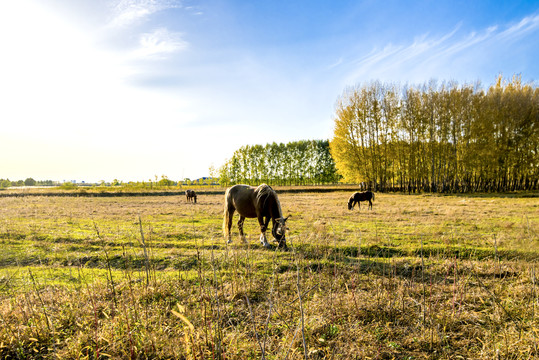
pixel 302 316
pixel 253 324
pixel 534 300
pixel 110 279
pixel 271 304
pixel 218 331
pixel 423 282
pixel 145 252
pixel 48 320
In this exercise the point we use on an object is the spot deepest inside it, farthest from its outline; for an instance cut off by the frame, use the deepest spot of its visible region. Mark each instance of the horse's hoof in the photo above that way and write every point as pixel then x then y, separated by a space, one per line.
pixel 229 241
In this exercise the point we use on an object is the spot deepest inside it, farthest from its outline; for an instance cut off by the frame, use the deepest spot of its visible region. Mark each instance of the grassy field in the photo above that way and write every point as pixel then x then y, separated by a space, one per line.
pixel 150 277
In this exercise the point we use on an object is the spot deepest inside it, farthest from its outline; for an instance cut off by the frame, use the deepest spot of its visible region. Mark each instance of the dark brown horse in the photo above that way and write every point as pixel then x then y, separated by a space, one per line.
pixel 250 202
pixel 360 196
pixel 191 195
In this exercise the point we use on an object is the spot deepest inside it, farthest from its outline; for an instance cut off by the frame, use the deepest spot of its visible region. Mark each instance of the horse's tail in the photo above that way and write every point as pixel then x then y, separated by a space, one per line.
pixel 372 196
pixel 227 221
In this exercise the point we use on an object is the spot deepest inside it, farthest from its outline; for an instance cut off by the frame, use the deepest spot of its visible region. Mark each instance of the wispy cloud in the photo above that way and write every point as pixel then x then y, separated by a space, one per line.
pixel 523 27
pixel 336 63
pixel 431 56
pixel 128 12
pixel 133 25
pixel 158 44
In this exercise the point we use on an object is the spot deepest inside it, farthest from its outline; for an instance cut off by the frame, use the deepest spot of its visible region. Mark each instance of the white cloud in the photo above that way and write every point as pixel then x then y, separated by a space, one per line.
pixel 129 12
pixel 159 43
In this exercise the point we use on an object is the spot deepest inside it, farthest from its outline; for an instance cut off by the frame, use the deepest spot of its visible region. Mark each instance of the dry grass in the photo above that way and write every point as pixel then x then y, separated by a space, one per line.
pixel 421 276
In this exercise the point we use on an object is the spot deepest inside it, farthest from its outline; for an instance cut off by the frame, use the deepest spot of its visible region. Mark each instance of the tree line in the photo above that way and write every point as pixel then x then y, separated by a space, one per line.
pixel 439 138
pixel 305 162
pixel 163 182
pixel 5 183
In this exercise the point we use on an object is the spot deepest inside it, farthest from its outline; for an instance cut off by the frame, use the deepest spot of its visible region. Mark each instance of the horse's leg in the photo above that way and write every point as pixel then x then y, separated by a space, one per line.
pixel 359 205
pixel 370 204
pixel 240 227
pixel 263 227
pixel 266 244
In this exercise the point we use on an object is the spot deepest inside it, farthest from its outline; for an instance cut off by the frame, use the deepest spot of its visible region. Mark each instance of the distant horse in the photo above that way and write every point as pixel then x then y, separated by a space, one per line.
pixel 360 196
pixel 191 195
pixel 250 202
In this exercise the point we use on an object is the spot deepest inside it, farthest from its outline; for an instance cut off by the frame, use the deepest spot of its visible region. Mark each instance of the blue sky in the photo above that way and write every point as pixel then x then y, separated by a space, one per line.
pixel 129 89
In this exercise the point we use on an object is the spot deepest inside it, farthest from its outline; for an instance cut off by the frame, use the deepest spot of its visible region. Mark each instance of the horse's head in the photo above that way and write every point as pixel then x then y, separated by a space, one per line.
pixel 350 203
pixel 279 230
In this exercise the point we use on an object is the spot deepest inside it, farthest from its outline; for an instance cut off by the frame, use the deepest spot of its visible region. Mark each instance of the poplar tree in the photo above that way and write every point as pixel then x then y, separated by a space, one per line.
pixel 439 138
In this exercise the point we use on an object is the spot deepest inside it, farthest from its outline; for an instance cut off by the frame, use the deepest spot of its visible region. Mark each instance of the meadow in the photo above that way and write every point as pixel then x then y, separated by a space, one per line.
pixel 150 277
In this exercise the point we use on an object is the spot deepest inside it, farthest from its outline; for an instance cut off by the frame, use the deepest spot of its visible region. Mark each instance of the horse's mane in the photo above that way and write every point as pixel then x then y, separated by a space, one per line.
pixel 265 192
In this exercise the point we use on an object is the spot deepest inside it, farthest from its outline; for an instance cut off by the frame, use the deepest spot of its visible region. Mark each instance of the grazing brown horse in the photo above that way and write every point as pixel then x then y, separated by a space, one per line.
pixel 360 196
pixel 191 195
pixel 250 202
